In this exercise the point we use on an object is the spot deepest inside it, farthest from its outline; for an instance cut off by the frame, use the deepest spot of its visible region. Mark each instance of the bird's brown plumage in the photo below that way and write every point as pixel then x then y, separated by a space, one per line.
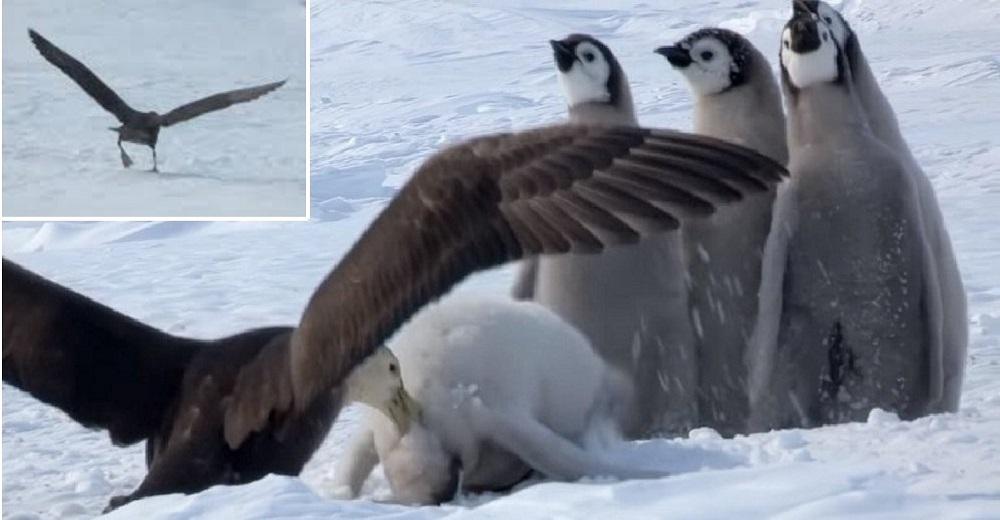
pixel 109 371
pixel 83 77
pixel 216 102
pixel 482 203
pixel 101 367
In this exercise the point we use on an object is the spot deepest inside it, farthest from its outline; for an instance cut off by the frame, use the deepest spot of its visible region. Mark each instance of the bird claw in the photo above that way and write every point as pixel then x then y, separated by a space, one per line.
pixel 126 160
pixel 116 502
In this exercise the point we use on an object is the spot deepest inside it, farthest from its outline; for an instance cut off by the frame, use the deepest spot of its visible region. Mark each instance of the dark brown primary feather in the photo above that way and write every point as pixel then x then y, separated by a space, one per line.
pixel 480 204
pixel 101 367
pixel 216 102
pixel 83 76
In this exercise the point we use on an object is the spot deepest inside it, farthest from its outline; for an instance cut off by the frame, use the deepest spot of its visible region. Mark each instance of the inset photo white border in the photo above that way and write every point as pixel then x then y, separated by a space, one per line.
pixel 117 61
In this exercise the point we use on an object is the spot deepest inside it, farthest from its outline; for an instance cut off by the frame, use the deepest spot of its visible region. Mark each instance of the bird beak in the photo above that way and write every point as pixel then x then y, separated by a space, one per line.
pixel 563 54
pixel 403 410
pixel 678 57
pixel 805 34
pixel 800 8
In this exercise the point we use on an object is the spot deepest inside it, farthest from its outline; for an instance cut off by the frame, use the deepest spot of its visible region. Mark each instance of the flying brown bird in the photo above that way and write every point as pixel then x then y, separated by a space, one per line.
pixel 139 127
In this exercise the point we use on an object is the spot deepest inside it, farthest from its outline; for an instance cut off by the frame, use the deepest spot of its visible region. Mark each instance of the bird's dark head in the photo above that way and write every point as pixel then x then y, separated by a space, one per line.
pixel 713 60
pixel 588 70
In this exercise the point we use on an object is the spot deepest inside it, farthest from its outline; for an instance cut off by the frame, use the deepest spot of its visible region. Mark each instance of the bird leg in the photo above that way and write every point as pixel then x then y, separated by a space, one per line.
pixel 154 159
pixel 126 160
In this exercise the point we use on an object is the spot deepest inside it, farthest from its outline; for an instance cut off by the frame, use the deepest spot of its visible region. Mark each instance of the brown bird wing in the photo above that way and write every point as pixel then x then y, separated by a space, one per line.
pixel 216 102
pixel 480 204
pixel 83 76
pixel 101 367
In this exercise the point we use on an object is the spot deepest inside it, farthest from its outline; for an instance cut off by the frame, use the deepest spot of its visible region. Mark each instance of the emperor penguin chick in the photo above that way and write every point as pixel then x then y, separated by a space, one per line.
pixel 949 307
pixel 630 301
pixel 842 325
pixel 736 98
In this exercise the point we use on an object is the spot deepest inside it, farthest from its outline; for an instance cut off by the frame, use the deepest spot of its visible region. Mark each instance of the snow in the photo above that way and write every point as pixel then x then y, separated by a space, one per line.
pixel 393 81
pixel 247 160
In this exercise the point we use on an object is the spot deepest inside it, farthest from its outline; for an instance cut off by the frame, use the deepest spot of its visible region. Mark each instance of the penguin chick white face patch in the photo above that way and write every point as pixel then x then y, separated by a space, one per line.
pixel 711 67
pixel 815 66
pixel 587 80
pixel 834 21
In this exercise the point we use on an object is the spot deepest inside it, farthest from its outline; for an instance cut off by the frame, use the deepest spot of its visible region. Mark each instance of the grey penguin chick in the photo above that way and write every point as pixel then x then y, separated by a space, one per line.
pixel 841 326
pixel 736 98
pixel 502 388
pixel 950 308
pixel 630 302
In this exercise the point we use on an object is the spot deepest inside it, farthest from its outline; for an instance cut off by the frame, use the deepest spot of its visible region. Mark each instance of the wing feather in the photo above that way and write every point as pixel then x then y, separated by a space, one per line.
pixel 474 206
pixel 83 77
pixel 216 102
pixel 101 367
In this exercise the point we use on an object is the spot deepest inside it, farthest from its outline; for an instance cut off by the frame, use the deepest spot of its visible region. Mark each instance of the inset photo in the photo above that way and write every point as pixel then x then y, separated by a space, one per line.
pixel 148 109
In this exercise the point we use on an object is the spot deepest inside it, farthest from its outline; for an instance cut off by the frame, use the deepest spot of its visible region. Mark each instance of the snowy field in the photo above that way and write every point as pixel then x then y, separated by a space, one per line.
pixel 247 160
pixel 393 81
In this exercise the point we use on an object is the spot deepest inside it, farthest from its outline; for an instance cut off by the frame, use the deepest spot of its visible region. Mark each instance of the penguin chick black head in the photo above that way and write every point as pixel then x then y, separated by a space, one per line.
pixel 842 32
pixel 809 53
pixel 588 71
pixel 712 59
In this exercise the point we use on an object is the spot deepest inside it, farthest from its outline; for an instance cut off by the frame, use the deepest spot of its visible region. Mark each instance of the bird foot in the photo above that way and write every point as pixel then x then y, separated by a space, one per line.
pixel 116 502
pixel 126 160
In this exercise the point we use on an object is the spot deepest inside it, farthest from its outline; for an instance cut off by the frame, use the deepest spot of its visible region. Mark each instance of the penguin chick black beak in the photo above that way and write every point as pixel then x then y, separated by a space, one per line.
pixel 801 8
pixel 563 54
pixel 677 56
pixel 804 33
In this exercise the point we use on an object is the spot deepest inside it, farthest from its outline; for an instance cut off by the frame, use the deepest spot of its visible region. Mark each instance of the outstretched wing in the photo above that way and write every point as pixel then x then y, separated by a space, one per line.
pixel 216 102
pixel 83 76
pixel 101 367
pixel 480 204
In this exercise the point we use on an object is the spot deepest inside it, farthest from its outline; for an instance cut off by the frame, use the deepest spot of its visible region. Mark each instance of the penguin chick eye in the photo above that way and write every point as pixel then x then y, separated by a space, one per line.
pixel 393 368
pixel 827 19
pixel 588 56
pixel 785 43
pixel 707 55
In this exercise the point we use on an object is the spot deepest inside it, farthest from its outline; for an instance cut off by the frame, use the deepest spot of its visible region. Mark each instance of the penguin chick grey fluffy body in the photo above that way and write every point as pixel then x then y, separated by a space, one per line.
pixel 736 98
pixel 630 302
pixel 841 326
pixel 948 305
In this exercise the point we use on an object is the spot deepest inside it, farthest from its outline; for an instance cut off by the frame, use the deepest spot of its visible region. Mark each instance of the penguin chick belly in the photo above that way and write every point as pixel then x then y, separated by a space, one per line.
pixel 853 291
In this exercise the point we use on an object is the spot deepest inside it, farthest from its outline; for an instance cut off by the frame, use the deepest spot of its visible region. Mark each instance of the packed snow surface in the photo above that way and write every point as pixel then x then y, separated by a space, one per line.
pixel 248 160
pixel 392 82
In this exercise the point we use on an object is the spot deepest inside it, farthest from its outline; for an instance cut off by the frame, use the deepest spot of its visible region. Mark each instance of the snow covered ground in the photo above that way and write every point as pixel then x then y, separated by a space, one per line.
pixel 394 80
pixel 247 160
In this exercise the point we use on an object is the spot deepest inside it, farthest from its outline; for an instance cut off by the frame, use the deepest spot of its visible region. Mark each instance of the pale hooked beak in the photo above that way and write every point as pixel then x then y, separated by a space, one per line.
pixel 403 410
